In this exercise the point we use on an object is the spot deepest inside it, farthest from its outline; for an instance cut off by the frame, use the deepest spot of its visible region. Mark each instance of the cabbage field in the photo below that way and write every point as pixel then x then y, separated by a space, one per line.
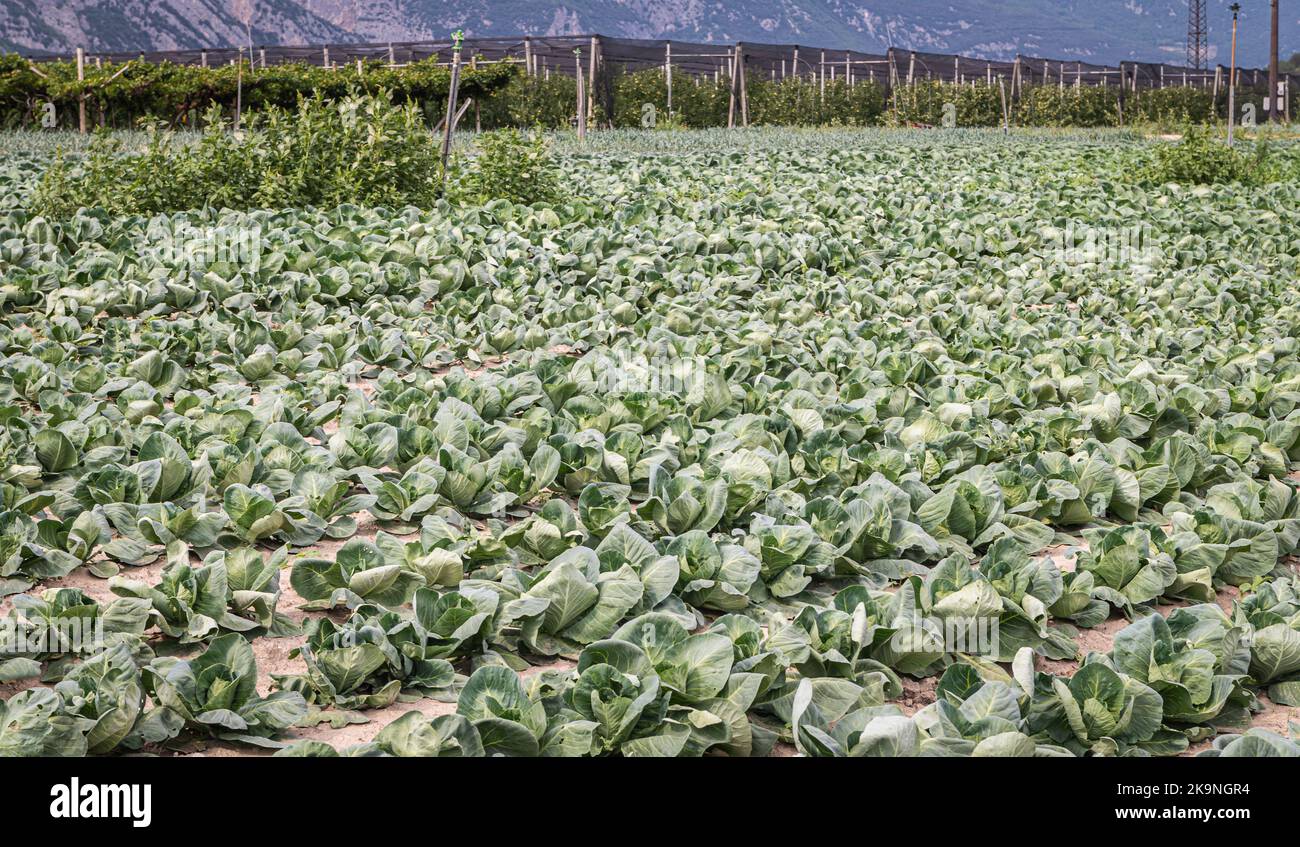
pixel 856 443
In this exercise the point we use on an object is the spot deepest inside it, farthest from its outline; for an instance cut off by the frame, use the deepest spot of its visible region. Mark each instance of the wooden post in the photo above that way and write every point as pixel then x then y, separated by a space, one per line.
pixel 668 72
pixel 911 67
pixel 1218 74
pixel 591 77
pixel 731 100
pixel 582 96
pixel 821 92
pixel 1078 74
pixel 452 91
pixel 794 64
pixel 325 56
pixel 239 90
pixel 1006 115
pixel 744 94
pixel 1015 77
pixel 988 72
pixel 392 54
pixel 81 96
pixel 528 56
pixel 848 69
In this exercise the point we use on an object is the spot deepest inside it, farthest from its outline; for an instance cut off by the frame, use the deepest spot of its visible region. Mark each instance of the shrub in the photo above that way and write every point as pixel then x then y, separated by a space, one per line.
pixel 1201 159
pixel 510 166
pixel 360 149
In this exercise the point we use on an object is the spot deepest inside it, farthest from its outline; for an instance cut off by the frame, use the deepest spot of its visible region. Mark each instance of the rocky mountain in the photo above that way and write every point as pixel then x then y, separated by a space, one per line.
pixel 1097 30
pixel 113 25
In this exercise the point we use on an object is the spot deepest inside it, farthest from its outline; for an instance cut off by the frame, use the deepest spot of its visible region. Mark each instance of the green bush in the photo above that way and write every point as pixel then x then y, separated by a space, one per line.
pixel 528 101
pixel 123 94
pixel 509 166
pixel 1202 159
pixel 360 149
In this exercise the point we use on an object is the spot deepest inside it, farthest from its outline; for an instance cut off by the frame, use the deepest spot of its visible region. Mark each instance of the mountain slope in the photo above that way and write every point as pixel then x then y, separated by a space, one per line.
pixel 118 25
pixel 1096 30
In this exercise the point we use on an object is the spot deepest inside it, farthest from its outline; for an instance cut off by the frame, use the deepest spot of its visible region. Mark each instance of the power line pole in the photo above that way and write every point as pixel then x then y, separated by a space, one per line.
pixel 1232 73
pixel 1274 112
pixel 1197 35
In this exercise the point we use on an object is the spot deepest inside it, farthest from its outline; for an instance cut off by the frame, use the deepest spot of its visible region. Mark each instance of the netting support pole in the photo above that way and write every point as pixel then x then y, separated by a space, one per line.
pixel 731 93
pixel 582 96
pixel 668 72
pixel 81 95
pixel 591 76
pixel 744 91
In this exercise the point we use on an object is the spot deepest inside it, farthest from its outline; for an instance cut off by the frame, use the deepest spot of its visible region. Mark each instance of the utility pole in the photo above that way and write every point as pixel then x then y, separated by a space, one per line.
pixel 1232 73
pixel 1274 112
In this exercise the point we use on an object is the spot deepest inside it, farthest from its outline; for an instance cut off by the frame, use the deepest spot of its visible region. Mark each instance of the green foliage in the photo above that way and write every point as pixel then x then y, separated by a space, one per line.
pixel 1200 158
pixel 508 165
pixel 121 95
pixel 357 149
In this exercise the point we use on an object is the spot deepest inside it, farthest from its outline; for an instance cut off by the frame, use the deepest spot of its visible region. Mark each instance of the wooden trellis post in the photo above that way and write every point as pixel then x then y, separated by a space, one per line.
pixel 744 92
pixel 668 72
pixel 731 99
pixel 821 93
pixel 1006 114
pixel 325 57
pixel 591 77
pixel 911 67
pixel 81 96
pixel 528 57
pixel 582 96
